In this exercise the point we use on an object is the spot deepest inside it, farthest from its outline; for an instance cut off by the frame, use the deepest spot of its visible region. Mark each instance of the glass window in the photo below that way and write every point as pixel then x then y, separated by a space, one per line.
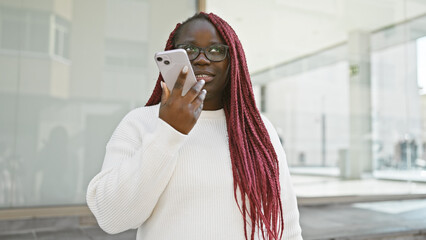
pixel 342 91
pixel 397 97
pixel 59 108
pixel 122 54
pixel 36 35
pixel 421 61
pixel 11 29
pixel 24 29
pixel 62 37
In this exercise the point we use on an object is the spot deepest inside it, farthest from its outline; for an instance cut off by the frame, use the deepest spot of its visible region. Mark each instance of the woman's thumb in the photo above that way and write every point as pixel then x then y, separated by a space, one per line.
pixel 165 92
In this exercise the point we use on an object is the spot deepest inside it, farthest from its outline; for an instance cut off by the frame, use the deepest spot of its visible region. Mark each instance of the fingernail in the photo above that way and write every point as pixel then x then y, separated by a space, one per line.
pixel 161 84
pixel 203 94
pixel 185 69
pixel 202 82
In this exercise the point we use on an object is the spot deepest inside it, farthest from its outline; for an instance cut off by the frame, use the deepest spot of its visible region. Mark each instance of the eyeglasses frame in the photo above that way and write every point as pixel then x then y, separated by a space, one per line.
pixel 202 50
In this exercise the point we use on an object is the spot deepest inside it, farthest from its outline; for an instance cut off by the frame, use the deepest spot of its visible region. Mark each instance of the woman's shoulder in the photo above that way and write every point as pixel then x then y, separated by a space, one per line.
pixel 273 134
pixel 135 123
pixel 269 126
pixel 142 113
pixel 141 116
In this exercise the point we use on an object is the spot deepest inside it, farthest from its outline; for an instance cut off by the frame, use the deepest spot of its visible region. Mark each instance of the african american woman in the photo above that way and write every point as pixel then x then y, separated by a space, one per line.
pixel 206 165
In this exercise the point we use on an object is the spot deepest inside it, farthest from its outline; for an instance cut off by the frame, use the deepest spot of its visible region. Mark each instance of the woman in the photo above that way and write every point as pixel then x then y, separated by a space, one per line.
pixel 199 166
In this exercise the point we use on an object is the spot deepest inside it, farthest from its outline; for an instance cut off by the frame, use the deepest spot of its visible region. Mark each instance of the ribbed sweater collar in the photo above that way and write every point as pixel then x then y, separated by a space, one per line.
pixel 213 114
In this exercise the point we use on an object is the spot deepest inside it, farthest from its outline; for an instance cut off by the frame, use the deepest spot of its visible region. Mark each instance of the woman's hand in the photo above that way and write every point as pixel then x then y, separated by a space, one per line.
pixel 182 112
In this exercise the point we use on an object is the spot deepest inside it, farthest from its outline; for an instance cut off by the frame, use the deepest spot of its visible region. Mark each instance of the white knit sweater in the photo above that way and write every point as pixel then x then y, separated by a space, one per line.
pixel 175 186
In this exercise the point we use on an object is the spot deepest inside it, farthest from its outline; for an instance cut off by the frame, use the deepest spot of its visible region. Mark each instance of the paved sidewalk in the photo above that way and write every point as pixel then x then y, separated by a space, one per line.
pixel 57 228
pixel 330 209
pixel 400 220
pixel 389 220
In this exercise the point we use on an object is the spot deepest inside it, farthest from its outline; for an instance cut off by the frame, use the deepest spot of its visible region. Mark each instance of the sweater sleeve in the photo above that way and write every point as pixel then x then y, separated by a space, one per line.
pixel 292 230
pixel 138 164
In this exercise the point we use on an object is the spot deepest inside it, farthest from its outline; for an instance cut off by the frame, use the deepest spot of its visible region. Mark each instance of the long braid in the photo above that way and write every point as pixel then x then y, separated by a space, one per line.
pixel 262 173
pixel 254 161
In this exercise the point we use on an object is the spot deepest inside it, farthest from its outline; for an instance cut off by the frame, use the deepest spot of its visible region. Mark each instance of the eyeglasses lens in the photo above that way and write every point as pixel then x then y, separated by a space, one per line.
pixel 215 53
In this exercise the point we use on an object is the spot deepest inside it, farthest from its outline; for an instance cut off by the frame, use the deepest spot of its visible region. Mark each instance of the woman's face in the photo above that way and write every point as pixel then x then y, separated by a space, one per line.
pixel 201 33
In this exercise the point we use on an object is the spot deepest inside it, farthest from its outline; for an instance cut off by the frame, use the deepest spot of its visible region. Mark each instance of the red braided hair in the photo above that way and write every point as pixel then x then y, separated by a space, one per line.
pixel 254 161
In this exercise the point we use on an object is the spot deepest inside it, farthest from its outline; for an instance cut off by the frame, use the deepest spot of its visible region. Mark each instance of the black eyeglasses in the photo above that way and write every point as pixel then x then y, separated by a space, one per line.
pixel 214 53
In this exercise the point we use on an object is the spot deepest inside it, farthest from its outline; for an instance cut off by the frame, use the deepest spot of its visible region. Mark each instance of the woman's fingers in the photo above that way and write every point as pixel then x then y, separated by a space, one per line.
pixel 180 82
pixel 194 91
pixel 166 93
pixel 198 102
pixel 182 112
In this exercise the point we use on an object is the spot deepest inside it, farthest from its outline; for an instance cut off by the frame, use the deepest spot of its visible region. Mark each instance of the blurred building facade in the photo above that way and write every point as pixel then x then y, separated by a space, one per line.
pixel 70 70
pixel 342 85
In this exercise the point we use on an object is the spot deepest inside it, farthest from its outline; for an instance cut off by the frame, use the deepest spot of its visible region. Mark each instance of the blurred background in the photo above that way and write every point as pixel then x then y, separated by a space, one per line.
pixel 343 81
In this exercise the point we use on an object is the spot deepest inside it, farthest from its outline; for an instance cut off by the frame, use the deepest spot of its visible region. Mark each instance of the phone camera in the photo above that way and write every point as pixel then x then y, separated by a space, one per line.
pixel 159 59
pixel 167 62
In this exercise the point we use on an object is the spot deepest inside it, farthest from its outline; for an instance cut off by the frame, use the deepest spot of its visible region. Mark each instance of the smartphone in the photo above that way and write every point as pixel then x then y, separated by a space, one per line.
pixel 170 63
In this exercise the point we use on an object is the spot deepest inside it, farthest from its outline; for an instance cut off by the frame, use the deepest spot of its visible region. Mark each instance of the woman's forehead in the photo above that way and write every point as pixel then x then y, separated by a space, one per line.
pixel 199 30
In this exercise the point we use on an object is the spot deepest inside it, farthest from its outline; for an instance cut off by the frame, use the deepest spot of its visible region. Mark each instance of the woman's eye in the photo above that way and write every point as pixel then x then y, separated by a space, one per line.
pixel 190 49
pixel 216 49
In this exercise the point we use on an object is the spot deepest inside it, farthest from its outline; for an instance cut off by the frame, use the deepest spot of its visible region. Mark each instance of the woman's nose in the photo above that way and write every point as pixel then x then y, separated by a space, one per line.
pixel 201 59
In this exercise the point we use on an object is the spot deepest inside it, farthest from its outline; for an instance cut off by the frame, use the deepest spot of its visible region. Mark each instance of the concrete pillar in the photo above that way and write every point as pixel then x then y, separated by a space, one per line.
pixel 359 152
pixel 263 97
pixel 87 48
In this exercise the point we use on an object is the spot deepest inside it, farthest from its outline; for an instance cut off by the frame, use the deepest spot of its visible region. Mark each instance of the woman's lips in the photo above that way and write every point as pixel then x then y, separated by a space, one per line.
pixel 206 77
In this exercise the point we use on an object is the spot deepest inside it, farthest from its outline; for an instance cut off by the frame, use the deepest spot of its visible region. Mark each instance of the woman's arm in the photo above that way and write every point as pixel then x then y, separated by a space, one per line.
pixel 139 162
pixel 141 157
